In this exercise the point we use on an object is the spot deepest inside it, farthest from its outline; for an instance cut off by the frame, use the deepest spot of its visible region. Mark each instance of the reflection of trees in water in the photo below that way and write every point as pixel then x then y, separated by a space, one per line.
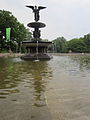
pixel 82 61
pixel 6 74
pixel 13 73
pixel 8 77
pixel 85 61
pixel 41 73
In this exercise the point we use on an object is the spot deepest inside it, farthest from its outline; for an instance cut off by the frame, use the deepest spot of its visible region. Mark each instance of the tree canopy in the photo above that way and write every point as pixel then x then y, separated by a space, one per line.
pixel 77 45
pixel 18 31
pixel 60 44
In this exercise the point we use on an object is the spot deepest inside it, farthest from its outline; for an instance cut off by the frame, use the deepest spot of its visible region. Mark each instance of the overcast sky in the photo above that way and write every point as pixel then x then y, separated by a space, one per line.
pixel 67 18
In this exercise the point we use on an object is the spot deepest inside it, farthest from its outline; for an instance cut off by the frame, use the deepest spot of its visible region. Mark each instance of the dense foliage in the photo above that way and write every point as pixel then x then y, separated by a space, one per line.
pixel 60 45
pixel 18 31
pixel 77 45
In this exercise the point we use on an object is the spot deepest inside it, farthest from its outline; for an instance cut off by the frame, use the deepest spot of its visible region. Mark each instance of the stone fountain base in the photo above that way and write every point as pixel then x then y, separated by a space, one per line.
pixel 35 56
pixel 36 50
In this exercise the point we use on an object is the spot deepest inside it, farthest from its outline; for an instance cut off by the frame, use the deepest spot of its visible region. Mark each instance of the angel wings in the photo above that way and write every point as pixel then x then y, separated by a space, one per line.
pixel 36 11
pixel 39 7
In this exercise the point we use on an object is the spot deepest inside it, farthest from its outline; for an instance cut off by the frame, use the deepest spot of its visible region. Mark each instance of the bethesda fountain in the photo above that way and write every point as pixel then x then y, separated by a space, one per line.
pixel 36 48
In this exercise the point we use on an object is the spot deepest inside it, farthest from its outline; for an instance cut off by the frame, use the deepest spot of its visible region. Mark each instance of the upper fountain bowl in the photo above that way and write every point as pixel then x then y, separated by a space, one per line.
pixel 36 25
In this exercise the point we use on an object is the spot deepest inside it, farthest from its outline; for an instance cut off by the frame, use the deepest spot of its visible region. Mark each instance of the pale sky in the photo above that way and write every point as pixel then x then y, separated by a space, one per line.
pixel 67 18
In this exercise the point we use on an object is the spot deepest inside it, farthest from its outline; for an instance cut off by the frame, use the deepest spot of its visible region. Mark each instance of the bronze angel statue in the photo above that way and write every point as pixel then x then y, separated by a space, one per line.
pixel 36 11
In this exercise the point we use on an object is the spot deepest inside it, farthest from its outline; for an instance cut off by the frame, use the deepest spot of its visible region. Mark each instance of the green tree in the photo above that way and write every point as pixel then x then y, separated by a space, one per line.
pixel 18 32
pixel 87 42
pixel 28 35
pixel 46 40
pixel 76 45
pixel 60 45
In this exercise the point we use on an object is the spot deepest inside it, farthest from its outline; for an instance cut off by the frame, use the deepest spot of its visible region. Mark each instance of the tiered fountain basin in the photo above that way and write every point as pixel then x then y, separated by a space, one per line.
pixel 33 54
pixel 36 25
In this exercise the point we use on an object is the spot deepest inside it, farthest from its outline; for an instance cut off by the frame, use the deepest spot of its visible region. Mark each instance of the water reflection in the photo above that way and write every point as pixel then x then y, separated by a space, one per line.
pixel 69 97
pixel 65 80
pixel 15 74
pixel 79 64
pixel 40 74
pixel 83 61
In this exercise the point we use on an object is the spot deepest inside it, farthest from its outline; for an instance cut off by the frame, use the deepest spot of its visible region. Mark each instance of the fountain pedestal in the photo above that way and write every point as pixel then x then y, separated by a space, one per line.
pixel 36 50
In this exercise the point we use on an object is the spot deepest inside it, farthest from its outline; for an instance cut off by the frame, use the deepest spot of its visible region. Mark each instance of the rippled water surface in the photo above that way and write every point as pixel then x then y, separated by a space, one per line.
pixel 58 89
